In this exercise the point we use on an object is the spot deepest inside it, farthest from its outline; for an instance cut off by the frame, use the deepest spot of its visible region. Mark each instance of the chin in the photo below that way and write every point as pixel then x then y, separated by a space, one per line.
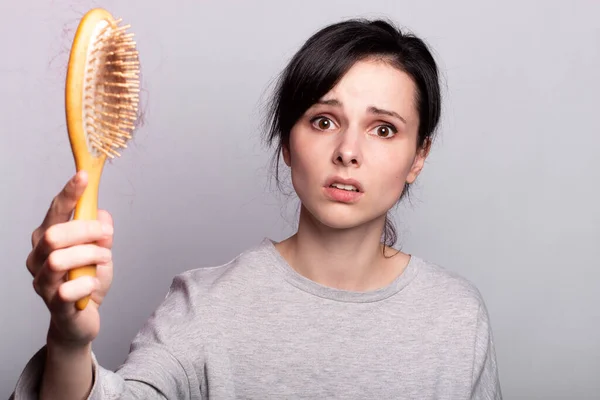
pixel 341 216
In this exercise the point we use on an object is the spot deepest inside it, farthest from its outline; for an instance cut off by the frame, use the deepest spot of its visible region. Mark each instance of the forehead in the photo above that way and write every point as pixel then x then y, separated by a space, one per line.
pixel 375 83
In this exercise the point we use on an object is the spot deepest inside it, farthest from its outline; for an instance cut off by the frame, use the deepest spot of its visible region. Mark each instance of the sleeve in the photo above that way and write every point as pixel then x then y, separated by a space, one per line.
pixel 485 380
pixel 155 368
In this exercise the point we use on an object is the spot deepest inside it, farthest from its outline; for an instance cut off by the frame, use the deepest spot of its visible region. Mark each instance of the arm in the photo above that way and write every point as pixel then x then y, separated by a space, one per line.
pixel 104 384
pixel 68 372
pixel 158 366
pixel 65 368
pixel 485 383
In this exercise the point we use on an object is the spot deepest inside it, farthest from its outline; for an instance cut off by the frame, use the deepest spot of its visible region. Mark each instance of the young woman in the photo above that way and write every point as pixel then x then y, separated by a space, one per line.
pixel 333 311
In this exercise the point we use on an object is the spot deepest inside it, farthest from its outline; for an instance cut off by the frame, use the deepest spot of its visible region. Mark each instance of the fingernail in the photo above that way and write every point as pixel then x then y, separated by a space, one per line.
pixel 107 229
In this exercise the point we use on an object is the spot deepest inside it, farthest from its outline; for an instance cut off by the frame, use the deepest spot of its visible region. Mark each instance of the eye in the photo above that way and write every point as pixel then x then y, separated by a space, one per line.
pixel 322 123
pixel 385 131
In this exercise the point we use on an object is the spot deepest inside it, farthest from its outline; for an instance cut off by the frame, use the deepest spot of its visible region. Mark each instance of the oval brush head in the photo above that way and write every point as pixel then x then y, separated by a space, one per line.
pixel 101 104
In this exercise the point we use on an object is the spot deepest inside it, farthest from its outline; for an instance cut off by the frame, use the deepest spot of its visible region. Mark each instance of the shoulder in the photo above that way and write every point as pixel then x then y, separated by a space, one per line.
pixel 447 291
pixel 439 280
pixel 193 294
pixel 249 264
pixel 457 314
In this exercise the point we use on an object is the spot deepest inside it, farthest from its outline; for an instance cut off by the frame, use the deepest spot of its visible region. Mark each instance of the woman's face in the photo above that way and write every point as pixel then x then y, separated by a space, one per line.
pixel 352 152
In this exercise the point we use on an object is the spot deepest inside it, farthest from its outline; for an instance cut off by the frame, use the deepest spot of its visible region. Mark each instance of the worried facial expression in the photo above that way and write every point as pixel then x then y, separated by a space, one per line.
pixel 352 152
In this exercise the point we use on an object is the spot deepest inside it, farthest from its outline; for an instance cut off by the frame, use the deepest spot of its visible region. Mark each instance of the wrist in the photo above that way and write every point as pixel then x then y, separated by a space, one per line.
pixel 57 349
pixel 58 345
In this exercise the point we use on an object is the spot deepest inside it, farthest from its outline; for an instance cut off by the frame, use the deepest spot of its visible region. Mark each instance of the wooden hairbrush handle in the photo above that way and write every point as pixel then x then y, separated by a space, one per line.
pixel 87 209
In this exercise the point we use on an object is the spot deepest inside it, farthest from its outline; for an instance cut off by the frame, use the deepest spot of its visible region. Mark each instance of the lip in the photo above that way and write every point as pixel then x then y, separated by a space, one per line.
pixel 337 179
pixel 340 195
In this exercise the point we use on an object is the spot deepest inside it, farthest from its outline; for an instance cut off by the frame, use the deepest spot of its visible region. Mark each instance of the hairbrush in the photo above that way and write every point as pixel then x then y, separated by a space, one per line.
pixel 101 104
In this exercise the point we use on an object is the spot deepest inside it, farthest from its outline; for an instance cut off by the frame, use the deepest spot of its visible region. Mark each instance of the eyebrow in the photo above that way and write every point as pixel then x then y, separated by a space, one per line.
pixel 380 111
pixel 371 109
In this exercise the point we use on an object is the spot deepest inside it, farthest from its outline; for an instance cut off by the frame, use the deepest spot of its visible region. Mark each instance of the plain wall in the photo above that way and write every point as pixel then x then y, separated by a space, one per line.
pixel 509 197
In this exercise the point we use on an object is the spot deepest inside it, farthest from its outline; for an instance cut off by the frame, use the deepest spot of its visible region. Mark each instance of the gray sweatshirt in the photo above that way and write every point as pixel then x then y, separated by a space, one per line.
pixel 256 329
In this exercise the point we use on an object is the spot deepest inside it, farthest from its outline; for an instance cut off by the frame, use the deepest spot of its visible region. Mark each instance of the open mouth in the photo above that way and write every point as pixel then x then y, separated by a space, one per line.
pixel 349 188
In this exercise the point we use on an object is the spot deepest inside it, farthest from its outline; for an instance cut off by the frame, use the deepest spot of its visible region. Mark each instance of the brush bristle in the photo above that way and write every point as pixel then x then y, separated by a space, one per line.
pixel 111 91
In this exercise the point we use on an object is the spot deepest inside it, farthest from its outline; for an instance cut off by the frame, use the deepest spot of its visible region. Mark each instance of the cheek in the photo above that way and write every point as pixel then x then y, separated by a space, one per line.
pixel 303 160
pixel 394 169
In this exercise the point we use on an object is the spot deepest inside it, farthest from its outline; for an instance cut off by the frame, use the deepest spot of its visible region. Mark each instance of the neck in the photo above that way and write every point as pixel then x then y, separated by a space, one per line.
pixel 349 259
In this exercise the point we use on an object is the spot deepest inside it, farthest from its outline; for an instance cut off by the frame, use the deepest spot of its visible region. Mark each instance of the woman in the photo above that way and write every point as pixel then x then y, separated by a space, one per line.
pixel 332 311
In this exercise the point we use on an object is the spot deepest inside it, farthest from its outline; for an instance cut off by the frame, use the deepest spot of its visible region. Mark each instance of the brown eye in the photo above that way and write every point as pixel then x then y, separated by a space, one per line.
pixel 322 123
pixel 385 131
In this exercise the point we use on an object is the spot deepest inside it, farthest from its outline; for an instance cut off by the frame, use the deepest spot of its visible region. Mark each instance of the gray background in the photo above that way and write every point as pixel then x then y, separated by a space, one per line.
pixel 509 197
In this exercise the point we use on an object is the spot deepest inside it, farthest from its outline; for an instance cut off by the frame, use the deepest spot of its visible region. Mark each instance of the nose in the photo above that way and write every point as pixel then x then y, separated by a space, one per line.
pixel 347 151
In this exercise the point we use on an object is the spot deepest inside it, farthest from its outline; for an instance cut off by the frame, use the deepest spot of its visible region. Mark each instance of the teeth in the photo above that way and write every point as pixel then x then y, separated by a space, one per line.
pixel 344 187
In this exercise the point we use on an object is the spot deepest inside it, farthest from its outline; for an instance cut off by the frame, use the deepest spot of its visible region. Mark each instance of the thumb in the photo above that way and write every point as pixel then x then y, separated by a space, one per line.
pixel 64 203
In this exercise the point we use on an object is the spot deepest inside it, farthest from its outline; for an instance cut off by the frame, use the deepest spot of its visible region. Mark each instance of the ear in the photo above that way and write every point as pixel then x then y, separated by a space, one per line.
pixel 285 152
pixel 419 161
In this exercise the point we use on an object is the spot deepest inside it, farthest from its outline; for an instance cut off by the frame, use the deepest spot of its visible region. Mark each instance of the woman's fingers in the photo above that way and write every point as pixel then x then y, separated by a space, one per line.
pixel 66 235
pixel 104 274
pixel 59 262
pixel 106 220
pixel 71 291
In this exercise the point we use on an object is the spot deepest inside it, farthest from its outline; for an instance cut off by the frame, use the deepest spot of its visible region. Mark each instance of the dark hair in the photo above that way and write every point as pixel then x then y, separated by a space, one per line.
pixel 324 59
